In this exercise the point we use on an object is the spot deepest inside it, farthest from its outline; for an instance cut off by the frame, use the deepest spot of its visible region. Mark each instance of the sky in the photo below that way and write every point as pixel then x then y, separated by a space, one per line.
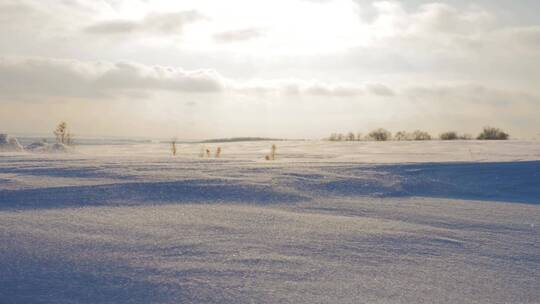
pixel 197 69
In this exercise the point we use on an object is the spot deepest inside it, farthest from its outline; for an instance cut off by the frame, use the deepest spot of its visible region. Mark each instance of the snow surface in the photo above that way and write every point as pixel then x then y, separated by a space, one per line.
pixel 396 222
pixel 9 144
pixel 43 147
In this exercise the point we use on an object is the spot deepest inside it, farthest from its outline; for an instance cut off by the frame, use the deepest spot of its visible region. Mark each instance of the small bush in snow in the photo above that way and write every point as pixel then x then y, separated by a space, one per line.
pixel 455 136
pixel 173 147
pixel 380 135
pixel 449 135
pixel 63 136
pixel 401 135
pixel 350 136
pixel 420 135
pixel 272 155
pixel 490 133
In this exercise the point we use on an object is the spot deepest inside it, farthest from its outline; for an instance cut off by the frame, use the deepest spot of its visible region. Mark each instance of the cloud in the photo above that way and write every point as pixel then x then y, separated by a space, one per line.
pixel 153 23
pixel 238 35
pixel 392 20
pixel 333 90
pixel 298 87
pixel 446 29
pixel 523 38
pixel 470 94
pixel 380 89
pixel 40 77
pixel 44 77
pixel 28 78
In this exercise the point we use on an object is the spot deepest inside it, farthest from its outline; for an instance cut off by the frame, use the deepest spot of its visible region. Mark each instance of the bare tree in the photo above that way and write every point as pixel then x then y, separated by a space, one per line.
pixel 421 135
pixel 61 132
pixel 173 146
pixel 490 133
pixel 380 135
pixel 401 135
pixel 451 135
pixel 272 155
pixel 63 135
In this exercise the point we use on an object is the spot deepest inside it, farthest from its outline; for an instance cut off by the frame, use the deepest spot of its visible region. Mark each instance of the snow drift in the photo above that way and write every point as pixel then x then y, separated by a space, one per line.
pixel 43 147
pixel 430 222
pixel 9 144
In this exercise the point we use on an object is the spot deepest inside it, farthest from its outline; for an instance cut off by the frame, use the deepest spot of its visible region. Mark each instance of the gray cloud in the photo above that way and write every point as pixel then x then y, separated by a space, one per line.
pixel 297 87
pixel 238 35
pixel 380 89
pixel 38 77
pixel 471 94
pixel 333 91
pixel 154 23
pixel 41 77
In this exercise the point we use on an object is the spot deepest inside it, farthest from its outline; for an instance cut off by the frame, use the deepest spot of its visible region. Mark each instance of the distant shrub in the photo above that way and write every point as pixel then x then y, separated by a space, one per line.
pixel 62 134
pixel 380 135
pixel 449 136
pixel 173 147
pixel 455 136
pixel 333 137
pixel 401 135
pixel 350 136
pixel 490 133
pixel 416 135
pixel 272 155
pixel 421 135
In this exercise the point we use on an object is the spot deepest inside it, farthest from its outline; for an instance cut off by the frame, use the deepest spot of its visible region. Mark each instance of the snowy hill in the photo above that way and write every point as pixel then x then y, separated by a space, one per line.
pixel 442 222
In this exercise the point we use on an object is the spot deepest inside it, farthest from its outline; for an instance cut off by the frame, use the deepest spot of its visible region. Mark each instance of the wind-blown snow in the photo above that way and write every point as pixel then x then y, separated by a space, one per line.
pixel 435 222
pixel 9 144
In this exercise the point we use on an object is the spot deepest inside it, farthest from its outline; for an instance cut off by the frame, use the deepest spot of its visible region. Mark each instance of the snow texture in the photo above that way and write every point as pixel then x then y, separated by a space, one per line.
pixel 9 144
pixel 43 147
pixel 430 222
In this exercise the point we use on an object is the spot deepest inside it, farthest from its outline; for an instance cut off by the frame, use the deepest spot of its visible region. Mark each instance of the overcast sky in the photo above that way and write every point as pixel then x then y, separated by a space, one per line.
pixel 281 68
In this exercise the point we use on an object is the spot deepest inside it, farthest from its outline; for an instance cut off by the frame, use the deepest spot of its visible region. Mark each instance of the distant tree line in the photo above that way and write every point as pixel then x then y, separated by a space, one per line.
pixel 488 133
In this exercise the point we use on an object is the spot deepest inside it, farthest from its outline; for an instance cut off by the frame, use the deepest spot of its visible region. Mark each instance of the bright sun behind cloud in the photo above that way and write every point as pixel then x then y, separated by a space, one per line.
pixel 303 68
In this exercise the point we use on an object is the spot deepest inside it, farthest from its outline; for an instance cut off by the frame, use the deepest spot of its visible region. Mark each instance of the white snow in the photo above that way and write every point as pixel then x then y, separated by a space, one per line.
pixel 9 144
pixel 43 147
pixel 395 222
